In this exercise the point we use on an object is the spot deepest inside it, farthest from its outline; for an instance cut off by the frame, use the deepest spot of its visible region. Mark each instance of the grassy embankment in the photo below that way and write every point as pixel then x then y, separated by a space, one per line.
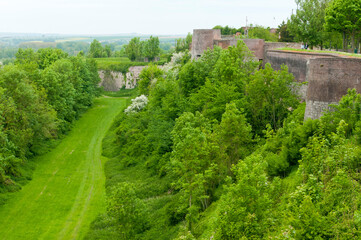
pixel 152 189
pixel 122 64
pixel 67 189
pixel 343 54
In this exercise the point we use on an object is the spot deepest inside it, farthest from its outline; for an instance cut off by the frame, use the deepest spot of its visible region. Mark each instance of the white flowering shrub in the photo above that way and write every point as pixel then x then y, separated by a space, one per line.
pixel 138 104
pixel 175 63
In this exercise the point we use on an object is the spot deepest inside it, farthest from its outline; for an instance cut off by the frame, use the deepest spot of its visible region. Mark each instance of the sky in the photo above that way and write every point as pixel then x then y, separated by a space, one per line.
pixel 158 17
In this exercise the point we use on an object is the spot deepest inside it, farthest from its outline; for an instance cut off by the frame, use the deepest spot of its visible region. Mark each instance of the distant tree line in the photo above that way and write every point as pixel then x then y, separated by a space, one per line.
pixel 229 30
pixel 137 49
pixel 255 32
pixel 325 23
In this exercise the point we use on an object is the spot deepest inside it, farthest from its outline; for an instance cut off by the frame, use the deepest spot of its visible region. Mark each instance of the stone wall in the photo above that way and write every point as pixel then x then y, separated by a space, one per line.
pixel 225 43
pixel 328 76
pixel 296 61
pixel 203 39
pixel 256 46
pixel 113 81
pixel 329 79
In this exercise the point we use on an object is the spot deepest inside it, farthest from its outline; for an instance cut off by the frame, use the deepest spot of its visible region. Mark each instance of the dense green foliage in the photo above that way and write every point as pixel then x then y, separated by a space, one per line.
pixel 344 17
pixel 259 32
pixel 307 24
pixel 194 132
pixel 183 44
pixel 96 50
pixel 331 24
pixel 284 33
pixel 136 49
pixel 229 156
pixel 40 96
pixel 228 30
pixel 122 64
pixel 253 31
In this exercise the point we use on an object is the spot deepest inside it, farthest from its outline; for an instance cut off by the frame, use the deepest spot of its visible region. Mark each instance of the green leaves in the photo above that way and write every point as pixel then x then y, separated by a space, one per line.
pixel 344 16
pixel 137 49
pixel 307 24
pixel 127 209
pixel 151 48
pixel 40 96
pixel 245 209
pixel 270 97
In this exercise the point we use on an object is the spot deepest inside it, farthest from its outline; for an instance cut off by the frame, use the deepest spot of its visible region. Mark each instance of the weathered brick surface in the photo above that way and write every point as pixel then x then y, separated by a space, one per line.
pixel 296 61
pixel 203 39
pixel 315 109
pixel 256 46
pixel 330 78
pixel 328 75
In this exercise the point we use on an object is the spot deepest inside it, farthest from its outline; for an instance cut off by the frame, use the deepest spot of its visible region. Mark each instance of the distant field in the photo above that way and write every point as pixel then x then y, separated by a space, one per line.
pixel 71 39
pixel 37 44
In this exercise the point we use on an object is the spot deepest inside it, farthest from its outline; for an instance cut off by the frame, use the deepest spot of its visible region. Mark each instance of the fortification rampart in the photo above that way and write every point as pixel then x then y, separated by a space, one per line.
pixel 204 39
pixel 297 63
pixel 113 80
pixel 328 75
pixel 328 80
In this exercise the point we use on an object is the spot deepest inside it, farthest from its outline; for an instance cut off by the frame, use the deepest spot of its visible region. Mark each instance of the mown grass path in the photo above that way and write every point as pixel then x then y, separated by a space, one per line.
pixel 67 190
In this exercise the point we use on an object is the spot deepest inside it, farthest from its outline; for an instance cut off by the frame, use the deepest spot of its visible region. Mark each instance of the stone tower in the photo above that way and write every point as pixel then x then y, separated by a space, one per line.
pixel 204 39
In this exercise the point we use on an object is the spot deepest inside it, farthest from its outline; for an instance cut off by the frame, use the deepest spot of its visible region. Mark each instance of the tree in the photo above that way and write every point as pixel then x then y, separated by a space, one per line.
pixel 283 31
pixel 108 50
pixel 344 16
pixel 233 136
pixel 134 49
pixel 32 119
pixel 245 209
pixel 228 30
pixel 96 49
pixel 183 44
pixel 262 33
pixel 127 209
pixel 270 97
pixel 60 91
pixel 307 24
pixel 151 48
pixel 193 161
pixel 146 76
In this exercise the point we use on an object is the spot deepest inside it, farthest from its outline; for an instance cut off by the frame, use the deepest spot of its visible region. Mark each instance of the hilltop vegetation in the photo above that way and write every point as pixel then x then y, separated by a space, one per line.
pixel 41 95
pixel 99 46
pixel 218 148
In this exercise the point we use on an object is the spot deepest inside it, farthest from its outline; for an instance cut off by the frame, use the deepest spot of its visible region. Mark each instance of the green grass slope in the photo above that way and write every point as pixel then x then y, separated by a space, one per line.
pixel 67 190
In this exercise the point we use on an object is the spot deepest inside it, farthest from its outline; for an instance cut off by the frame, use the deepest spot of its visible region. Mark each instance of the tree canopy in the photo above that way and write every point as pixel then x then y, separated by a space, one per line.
pixel 306 24
pixel 137 49
pixel 40 97
pixel 345 17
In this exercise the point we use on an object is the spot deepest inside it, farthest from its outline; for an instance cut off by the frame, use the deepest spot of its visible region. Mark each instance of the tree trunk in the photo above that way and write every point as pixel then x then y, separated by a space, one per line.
pixel 344 42
pixel 353 42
